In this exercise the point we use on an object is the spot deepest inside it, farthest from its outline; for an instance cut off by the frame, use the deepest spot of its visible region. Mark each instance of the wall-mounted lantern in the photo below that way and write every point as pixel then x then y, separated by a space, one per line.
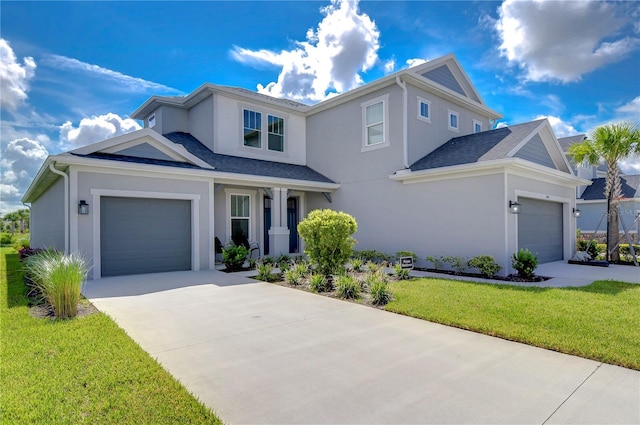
pixel 576 212
pixel 514 207
pixel 83 208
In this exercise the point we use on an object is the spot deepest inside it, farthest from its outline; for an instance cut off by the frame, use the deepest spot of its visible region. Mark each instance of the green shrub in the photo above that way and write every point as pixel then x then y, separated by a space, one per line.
pixel 380 294
pixel 458 263
pixel 234 256
pixel 401 254
pixel 593 250
pixel 264 272
pixel 525 262
pixel 328 241
pixel 21 240
pixel 373 267
pixel 319 283
pixel 356 264
pixel 485 264
pixel 5 239
pixel 302 267
pixel 58 278
pixel 347 288
pixel 372 255
pixel 401 274
pixel 292 277
pixel 625 252
pixel 267 260
pixel 436 261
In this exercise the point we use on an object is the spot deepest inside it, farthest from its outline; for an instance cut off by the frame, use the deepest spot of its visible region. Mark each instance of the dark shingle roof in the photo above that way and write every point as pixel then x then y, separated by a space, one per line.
pixel 630 188
pixel 565 142
pixel 239 165
pixel 137 160
pixel 477 147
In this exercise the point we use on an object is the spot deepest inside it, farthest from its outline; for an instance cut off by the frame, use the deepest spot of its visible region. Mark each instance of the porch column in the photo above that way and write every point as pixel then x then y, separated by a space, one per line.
pixel 279 232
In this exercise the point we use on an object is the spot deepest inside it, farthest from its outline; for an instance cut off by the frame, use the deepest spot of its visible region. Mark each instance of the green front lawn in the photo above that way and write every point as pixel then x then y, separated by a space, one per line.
pixel 82 370
pixel 600 321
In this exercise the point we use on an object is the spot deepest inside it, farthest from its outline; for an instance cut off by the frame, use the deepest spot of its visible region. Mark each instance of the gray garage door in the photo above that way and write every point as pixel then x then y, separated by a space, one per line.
pixel 540 229
pixel 144 235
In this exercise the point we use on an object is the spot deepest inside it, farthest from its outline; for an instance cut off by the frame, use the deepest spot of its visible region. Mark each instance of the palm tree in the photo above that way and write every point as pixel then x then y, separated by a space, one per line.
pixel 610 143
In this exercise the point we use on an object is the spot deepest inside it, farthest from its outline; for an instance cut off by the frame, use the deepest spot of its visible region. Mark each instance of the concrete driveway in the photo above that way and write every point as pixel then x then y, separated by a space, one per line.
pixel 260 353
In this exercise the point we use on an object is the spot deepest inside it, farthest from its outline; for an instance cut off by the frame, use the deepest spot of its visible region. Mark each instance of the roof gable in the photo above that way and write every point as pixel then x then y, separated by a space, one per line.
pixel 144 143
pixel 630 186
pixel 532 141
pixel 447 72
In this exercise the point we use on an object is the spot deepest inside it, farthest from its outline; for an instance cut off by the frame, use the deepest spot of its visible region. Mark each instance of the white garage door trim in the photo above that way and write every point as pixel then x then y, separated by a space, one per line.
pixel 96 194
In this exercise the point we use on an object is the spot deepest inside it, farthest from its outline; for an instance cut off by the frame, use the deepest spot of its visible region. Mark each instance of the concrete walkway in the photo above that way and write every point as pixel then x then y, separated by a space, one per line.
pixel 260 353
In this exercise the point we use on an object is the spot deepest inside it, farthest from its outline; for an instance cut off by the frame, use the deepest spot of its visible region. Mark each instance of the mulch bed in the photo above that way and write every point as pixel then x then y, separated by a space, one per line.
pixel 509 278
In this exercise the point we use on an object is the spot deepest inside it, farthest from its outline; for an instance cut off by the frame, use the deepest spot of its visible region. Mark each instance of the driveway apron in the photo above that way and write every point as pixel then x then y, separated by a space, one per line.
pixel 260 353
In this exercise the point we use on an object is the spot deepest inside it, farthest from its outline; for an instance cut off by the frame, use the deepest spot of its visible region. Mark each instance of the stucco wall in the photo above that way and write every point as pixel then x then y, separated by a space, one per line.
pixel 459 217
pixel 201 122
pixel 47 218
pixel 425 137
pixel 92 185
pixel 335 139
pixel 228 131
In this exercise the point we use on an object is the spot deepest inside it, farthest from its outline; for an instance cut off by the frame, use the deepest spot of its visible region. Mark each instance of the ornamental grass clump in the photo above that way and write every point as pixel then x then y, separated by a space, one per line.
pixel 292 277
pixel 318 283
pixel 380 294
pixel 347 288
pixel 401 274
pixel 58 279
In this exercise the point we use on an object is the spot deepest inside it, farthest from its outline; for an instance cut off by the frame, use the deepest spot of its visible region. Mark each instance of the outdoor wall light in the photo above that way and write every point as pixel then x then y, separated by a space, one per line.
pixel 83 208
pixel 514 207
pixel 576 212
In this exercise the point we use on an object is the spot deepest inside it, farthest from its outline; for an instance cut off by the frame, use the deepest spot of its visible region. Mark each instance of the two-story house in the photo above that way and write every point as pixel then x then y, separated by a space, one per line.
pixel 412 156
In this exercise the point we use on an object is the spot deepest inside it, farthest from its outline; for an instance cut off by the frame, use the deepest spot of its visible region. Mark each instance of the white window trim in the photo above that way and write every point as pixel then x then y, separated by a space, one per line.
pixel 421 117
pixel 457 114
pixel 476 122
pixel 284 133
pixel 252 208
pixel 261 128
pixel 385 124
pixel 151 122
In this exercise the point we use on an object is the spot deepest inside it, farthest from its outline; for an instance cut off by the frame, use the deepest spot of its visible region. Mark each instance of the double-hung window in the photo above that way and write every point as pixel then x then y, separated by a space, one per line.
pixel 454 119
pixel 477 126
pixel 240 217
pixel 375 131
pixel 252 128
pixel 424 110
pixel 275 131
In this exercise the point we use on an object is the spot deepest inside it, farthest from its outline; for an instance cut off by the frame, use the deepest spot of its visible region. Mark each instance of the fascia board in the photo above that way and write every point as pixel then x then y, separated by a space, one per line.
pixel 44 169
pixel 263 181
pixel 515 166
pixel 546 133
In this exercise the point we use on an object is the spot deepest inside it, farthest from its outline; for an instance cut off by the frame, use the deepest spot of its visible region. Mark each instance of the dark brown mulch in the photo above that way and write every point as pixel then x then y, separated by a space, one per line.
pixel 43 311
pixel 509 278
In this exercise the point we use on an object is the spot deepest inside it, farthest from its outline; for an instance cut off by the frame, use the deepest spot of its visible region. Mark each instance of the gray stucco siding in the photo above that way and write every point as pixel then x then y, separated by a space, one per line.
pixel 460 217
pixel 47 221
pixel 145 150
pixel 201 122
pixel 335 141
pixel 150 185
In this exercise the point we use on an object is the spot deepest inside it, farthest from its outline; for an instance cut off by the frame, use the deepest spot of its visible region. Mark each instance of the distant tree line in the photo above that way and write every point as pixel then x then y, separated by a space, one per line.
pixel 15 222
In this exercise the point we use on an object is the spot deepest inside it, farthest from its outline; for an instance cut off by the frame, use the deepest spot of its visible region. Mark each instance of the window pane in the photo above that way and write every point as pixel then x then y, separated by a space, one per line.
pixel 374 113
pixel 240 205
pixel 276 143
pixel 239 230
pixel 453 120
pixel 375 134
pixel 478 128
pixel 252 128
pixel 424 109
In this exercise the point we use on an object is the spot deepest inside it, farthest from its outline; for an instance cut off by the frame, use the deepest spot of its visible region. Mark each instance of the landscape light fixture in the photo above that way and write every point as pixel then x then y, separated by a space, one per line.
pixel 576 212
pixel 514 207
pixel 83 208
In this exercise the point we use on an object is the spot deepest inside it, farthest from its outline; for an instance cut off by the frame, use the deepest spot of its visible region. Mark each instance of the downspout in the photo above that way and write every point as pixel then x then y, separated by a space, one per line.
pixel 66 204
pixel 405 122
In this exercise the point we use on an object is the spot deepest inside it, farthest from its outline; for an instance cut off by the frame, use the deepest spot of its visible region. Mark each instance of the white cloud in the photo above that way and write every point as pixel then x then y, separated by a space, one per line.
pixel 14 77
pixel 344 44
pixel 95 129
pixel 560 128
pixel 130 83
pixel 631 110
pixel 21 159
pixel 390 66
pixel 415 62
pixel 563 40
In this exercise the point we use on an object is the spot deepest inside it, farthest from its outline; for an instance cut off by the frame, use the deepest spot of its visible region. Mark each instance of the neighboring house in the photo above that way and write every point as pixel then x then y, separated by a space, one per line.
pixel 411 156
pixel 591 199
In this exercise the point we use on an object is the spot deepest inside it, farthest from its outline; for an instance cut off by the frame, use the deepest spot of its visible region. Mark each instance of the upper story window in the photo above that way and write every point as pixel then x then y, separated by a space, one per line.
pixel 252 129
pixel 477 126
pixel 275 130
pixel 152 121
pixel 375 132
pixel 424 110
pixel 454 119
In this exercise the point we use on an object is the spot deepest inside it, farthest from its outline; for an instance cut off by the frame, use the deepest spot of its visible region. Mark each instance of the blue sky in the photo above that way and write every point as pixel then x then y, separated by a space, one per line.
pixel 72 72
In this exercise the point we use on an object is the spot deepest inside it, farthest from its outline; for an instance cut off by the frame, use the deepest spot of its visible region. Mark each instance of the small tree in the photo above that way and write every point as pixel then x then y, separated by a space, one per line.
pixel 327 239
